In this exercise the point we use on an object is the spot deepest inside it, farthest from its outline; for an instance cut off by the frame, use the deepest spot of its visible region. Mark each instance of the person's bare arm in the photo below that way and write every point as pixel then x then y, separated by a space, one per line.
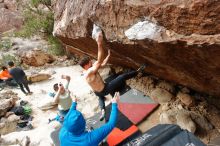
pixel 95 67
pixel 99 134
pixel 56 97
pixel 67 79
pixel 100 48
pixel 73 97
pixel 106 59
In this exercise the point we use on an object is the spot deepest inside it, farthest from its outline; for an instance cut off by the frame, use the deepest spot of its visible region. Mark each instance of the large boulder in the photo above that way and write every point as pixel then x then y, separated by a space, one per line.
pixel 179 40
pixel 185 122
pixel 35 137
pixel 179 117
pixel 7 101
pixel 38 77
pixel 167 86
pixel 36 57
pixel 9 124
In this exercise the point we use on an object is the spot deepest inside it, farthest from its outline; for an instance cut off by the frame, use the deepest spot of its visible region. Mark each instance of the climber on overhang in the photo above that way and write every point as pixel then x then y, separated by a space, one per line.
pixel 94 79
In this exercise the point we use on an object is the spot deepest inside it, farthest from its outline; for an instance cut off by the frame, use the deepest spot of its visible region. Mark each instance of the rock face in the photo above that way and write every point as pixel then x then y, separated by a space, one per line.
pixel 37 57
pixel 8 121
pixel 9 16
pixel 179 40
pixel 38 77
pixel 8 124
pixel 7 101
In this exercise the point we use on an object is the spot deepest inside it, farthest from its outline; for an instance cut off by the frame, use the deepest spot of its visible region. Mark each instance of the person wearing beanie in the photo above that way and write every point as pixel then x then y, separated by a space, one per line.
pixel 73 131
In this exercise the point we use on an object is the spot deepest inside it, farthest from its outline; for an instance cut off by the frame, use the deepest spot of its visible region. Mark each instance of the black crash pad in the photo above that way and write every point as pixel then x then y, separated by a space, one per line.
pixel 166 135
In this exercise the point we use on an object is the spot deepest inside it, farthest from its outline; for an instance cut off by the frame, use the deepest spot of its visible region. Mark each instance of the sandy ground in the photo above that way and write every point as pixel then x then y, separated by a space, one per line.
pixel 87 102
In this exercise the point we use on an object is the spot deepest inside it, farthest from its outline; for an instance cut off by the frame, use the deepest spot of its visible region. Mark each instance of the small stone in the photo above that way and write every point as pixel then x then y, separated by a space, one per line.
pixel 165 107
pixel 185 122
pixel 161 95
pixel 8 114
pixel 15 48
pixel 180 107
pixel 185 98
pixel 167 86
pixel 201 121
pixel 185 90
pixel 167 117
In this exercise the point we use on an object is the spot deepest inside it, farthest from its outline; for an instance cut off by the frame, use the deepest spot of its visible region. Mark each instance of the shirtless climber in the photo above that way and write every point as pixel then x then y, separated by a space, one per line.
pixel 94 79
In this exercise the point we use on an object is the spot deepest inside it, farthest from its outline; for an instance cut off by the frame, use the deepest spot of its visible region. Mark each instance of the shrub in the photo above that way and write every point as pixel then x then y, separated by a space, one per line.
pixel 40 22
pixel 5 45
pixel 6 58
pixel 55 46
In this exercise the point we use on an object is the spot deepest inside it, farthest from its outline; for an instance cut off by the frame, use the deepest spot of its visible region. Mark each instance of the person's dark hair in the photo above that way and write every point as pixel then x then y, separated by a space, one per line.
pixel 11 63
pixel 55 87
pixel 84 61
pixel 4 68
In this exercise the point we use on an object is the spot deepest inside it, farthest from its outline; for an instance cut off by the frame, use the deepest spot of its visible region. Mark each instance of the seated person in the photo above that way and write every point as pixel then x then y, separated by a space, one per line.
pixel 6 77
pixel 73 132
pixel 4 74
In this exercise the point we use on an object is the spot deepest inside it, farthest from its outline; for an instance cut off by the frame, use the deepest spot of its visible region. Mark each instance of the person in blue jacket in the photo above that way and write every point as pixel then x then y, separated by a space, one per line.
pixel 73 131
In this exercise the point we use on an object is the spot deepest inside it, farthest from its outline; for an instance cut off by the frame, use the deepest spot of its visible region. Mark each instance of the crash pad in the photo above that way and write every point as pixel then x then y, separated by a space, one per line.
pixel 94 122
pixel 117 136
pixel 166 135
pixel 122 123
pixel 124 130
pixel 135 105
pixel 214 142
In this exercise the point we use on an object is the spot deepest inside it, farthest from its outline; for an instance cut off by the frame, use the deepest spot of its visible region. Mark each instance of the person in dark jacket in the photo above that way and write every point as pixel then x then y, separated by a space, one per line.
pixel 20 77
pixel 73 132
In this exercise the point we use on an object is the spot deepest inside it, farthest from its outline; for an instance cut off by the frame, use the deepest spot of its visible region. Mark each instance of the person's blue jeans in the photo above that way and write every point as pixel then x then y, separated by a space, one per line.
pixel 61 116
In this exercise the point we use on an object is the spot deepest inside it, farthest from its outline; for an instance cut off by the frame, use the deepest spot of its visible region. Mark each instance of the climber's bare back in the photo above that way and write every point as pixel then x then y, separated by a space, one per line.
pixel 95 81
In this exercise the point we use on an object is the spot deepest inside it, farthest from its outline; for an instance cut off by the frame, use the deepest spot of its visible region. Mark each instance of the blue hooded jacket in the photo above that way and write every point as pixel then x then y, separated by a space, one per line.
pixel 73 131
